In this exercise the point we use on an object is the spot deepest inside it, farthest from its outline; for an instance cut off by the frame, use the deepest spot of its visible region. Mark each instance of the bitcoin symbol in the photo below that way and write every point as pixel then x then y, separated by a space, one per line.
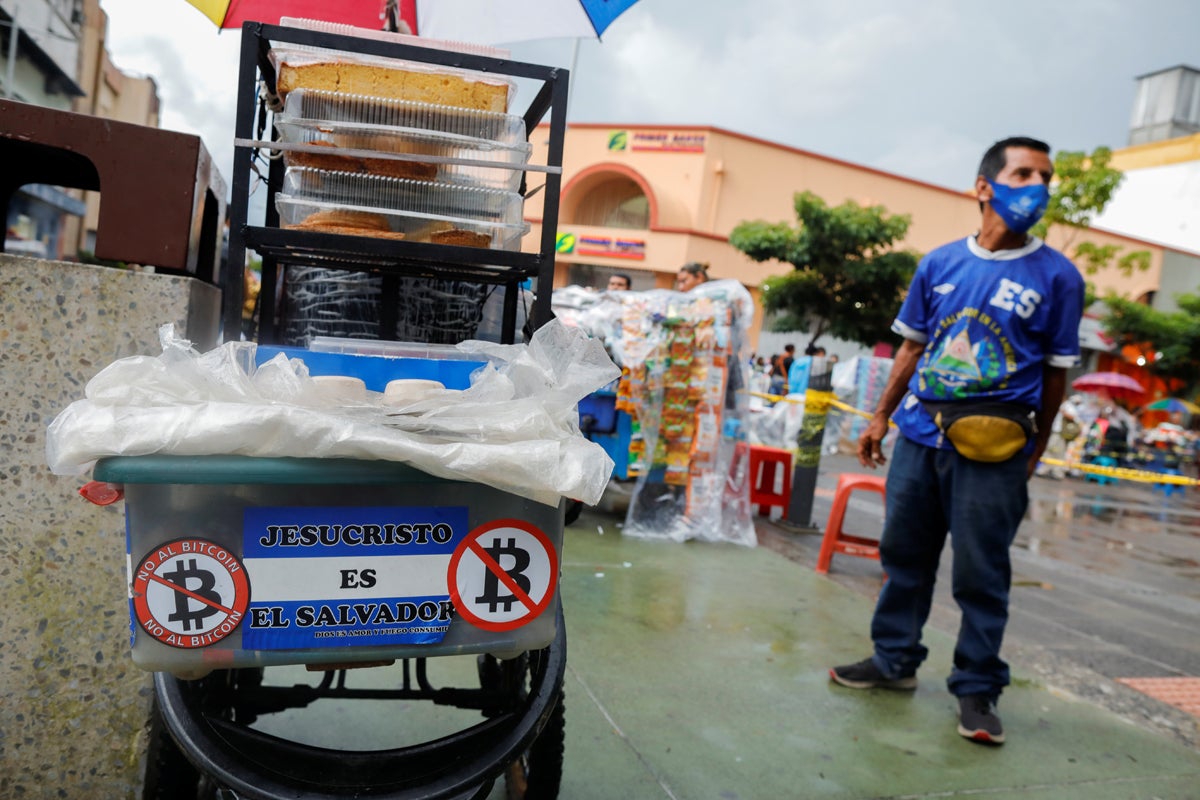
pixel 183 611
pixel 491 581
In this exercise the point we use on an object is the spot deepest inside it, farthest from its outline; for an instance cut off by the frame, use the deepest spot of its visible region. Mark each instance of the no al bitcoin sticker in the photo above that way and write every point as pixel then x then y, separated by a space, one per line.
pixel 503 575
pixel 190 593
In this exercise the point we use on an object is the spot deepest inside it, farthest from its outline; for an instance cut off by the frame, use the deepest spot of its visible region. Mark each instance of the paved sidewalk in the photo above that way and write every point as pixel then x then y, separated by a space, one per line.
pixel 700 671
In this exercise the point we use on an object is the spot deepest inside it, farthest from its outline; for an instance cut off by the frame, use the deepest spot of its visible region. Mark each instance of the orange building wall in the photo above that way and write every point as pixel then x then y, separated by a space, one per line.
pixel 697 198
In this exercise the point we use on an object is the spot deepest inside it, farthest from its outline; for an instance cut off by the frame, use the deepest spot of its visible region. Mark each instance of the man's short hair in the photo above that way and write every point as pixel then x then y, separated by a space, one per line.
pixel 628 280
pixel 995 158
pixel 696 268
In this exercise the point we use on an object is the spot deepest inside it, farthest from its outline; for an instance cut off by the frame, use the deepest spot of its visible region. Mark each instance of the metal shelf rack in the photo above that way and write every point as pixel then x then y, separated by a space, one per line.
pixel 391 259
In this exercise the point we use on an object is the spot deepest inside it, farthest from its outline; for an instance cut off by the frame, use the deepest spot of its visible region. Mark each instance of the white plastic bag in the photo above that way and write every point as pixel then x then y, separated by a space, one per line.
pixel 516 428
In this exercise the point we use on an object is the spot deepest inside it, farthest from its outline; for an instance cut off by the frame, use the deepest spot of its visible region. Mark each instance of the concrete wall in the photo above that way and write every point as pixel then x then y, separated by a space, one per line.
pixel 74 707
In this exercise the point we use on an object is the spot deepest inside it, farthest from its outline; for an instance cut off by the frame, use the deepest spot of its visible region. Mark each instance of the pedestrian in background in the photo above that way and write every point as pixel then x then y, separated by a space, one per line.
pixel 781 364
pixel 619 282
pixel 690 276
pixel 990 325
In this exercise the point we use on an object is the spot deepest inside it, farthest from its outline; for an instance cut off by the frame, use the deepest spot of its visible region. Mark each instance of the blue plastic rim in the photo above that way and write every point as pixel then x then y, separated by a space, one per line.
pixel 377 371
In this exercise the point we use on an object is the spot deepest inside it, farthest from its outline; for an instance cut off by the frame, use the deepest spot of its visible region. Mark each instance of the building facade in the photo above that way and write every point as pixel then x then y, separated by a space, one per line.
pixel 643 200
pixel 57 59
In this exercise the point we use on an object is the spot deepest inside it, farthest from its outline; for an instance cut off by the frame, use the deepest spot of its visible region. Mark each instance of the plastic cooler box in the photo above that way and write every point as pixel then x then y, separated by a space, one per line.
pixel 237 562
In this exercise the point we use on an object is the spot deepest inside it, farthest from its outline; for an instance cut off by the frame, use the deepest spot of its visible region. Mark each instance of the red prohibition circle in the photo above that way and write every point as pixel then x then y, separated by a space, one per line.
pixel 536 608
pixel 232 575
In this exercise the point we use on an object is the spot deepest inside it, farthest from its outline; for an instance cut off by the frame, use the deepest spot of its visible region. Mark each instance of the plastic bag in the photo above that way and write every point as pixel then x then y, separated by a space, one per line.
pixel 515 427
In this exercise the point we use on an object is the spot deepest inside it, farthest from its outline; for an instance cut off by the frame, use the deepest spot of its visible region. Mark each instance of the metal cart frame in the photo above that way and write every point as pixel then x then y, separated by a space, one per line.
pixel 390 258
pixel 201 731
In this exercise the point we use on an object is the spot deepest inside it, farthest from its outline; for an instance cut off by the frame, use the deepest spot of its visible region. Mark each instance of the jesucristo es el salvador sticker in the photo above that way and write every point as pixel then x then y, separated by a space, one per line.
pixel 338 576
pixel 190 593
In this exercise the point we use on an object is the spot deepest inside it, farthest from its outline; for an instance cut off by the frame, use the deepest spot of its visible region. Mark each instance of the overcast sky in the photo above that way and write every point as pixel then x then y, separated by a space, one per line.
pixel 915 87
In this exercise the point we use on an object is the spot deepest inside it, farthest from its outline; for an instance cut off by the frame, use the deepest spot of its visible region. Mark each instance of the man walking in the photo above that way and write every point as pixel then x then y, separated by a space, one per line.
pixel 990 324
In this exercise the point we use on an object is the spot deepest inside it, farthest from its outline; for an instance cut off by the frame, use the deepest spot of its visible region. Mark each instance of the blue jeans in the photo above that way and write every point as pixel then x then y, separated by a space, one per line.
pixel 929 493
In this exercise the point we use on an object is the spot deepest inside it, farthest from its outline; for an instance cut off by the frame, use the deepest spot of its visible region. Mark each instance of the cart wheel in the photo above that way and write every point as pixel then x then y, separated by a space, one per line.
pixel 169 775
pixel 574 509
pixel 536 775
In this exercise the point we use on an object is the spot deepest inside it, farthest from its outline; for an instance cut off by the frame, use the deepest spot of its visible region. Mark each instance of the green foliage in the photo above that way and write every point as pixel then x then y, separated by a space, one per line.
pixel 1083 185
pixel 848 281
pixel 1173 337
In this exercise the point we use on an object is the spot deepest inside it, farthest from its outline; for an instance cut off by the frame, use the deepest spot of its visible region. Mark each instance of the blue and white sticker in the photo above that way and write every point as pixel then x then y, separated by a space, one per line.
pixel 342 576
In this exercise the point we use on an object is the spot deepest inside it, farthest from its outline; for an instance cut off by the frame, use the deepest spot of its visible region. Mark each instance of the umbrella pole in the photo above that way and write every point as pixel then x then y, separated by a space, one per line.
pixel 574 63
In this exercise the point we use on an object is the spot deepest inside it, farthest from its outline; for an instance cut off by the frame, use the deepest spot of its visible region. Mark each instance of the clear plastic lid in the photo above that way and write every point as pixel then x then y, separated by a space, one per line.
pixel 350 112
pixel 439 137
pixel 421 211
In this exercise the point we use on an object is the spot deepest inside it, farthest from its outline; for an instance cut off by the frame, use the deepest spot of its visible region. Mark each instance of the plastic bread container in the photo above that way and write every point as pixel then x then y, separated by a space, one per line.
pixel 244 562
pixel 418 211
pixel 299 67
pixel 441 138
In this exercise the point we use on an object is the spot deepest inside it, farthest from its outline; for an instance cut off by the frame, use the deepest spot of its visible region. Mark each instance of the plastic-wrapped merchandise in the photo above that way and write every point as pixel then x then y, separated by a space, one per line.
pixel 514 428
pixel 330 302
pixel 491 326
pixel 683 358
pixel 439 311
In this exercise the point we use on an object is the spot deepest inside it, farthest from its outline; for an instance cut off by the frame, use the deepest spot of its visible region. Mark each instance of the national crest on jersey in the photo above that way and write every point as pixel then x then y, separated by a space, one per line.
pixel 989 321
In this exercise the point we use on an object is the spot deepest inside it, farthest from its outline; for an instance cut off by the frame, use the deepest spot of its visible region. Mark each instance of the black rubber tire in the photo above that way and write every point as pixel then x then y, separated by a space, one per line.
pixel 537 774
pixel 574 509
pixel 169 775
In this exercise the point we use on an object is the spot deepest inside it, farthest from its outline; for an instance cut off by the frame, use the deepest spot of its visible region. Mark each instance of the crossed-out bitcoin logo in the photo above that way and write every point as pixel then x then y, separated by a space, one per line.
pixel 503 575
pixel 190 593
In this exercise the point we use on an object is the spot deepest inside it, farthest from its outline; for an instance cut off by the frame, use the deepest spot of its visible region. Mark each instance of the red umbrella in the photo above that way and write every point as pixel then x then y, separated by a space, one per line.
pixel 1114 384
pixel 232 13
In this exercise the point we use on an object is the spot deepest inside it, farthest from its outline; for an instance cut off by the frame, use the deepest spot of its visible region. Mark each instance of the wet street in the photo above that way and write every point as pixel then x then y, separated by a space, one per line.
pixel 1106 587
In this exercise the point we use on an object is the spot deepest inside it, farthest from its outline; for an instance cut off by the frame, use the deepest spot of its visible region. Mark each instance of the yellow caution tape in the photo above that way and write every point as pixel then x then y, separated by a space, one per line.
pixel 1124 473
pixel 820 401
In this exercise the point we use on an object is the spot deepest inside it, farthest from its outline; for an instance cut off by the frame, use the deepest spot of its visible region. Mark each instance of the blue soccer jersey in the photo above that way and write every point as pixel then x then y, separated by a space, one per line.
pixel 989 322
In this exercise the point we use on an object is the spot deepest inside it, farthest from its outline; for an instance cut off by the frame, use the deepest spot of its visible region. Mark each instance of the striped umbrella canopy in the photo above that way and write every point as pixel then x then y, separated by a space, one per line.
pixel 1173 404
pixel 474 21
pixel 232 13
pixel 503 21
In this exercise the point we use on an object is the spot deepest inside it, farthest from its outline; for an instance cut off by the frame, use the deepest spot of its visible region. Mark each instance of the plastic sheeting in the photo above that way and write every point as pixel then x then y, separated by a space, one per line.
pixel 684 367
pixel 515 427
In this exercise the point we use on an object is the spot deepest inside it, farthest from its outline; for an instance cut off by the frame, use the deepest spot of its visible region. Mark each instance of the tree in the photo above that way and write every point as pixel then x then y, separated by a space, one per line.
pixel 1171 339
pixel 1083 185
pixel 848 280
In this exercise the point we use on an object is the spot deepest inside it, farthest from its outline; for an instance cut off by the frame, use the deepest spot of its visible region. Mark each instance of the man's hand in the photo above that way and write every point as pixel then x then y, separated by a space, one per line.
pixel 1038 449
pixel 870 450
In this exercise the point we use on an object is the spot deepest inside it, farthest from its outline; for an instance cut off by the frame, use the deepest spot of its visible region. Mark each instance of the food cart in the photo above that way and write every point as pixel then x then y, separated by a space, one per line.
pixel 239 564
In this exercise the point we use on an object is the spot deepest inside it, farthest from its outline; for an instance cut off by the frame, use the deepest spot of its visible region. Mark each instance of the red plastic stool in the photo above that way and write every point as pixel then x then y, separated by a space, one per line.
pixel 835 540
pixel 762 483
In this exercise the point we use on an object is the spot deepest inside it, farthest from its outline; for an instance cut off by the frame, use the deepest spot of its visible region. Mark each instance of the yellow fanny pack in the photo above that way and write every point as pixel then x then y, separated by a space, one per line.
pixel 987 431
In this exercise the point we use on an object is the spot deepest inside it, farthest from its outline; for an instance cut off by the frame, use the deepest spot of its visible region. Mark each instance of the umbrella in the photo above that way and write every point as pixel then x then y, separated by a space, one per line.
pixel 232 13
pixel 475 21
pixel 1114 384
pixel 502 21
pixel 1173 404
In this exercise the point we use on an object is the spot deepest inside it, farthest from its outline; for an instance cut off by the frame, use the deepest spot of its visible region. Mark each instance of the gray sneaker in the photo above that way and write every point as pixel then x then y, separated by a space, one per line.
pixel 978 721
pixel 865 675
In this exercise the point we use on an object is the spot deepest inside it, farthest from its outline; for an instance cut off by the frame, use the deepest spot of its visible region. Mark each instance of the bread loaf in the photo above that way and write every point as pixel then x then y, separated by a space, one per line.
pixel 424 87
pixel 351 223
pixel 387 167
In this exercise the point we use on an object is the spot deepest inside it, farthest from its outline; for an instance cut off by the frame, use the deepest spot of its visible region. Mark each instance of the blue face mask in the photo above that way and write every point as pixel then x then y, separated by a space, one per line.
pixel 1019 206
